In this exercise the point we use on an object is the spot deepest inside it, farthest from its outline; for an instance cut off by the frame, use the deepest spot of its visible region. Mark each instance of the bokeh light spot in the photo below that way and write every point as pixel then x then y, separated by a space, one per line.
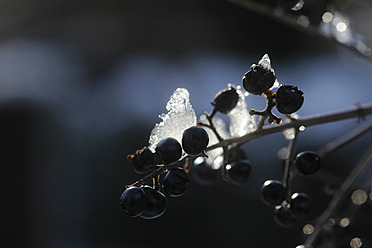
pixel 359 197
pixel 356 243
pixel 308 229
pixel 327 17
pixel 344 222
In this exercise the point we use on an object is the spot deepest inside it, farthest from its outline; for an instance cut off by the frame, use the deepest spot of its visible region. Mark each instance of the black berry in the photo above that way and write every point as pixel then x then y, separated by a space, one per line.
pixel 155 203
pixel 194 140
pixel 300 205
pixel 203 172
pixel 239 172
pixel 289 99
pixel 272 193
pixel 142 161
pixel 132 201
pixel 225 100
pixel 307 162
pixel 175 182
pixel 258 80
pixel 283 218
pixel 169 150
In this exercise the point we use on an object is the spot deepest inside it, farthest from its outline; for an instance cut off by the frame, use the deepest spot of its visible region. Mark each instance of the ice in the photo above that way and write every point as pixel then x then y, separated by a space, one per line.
pixel 220 126
pixel 290 133
pixel 298 6
pixel 180 116
pixel 241 122
pixel 265 62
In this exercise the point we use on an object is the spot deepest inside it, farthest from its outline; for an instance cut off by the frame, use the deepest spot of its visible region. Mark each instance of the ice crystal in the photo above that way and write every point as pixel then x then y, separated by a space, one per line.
pixel 180 116
pixel 220 126
pixel 265 62
pixel 241 122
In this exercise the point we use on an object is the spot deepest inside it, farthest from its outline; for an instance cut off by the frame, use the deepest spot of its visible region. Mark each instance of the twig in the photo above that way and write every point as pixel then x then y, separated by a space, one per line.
pixel 345 139
pixel 340 195
pixel 290 20
pixel 359 112
pixel 287 177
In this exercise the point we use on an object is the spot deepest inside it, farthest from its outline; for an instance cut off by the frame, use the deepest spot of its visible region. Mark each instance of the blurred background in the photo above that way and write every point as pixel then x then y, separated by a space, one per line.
pixel 82 84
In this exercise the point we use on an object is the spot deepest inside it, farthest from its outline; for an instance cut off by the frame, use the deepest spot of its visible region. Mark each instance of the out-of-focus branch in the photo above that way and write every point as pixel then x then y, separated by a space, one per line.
pixel 287 19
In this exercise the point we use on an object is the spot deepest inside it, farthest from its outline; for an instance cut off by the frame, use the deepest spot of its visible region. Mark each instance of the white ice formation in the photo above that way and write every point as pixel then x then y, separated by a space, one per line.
pixel 180 116
pixel 241 122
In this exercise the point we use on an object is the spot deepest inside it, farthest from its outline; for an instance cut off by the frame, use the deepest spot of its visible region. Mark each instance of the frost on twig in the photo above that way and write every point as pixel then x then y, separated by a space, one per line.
pixel 179 117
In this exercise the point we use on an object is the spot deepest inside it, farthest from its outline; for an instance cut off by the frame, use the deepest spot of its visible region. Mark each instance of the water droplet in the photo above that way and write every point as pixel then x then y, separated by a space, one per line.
pixel 302 128
pixel 341 27
pixel 344 222
pixel 298 5
pixel 359 197
pixel 308 229
pixel 327 17
pixel 356 243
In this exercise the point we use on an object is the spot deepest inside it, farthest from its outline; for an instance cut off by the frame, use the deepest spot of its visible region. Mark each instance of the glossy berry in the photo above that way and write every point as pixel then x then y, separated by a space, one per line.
pixel 239 172
pixel 169 150
pixel 175 182
pixel 289 99
pixel 203 172
pixel 300 205
pixel 283 218
pixel 272 193
pixel 307 162
pixel 258 80
pixel 132 201
pixel 142 161
pixel 225 100
pixel 155 203
pixel 194 140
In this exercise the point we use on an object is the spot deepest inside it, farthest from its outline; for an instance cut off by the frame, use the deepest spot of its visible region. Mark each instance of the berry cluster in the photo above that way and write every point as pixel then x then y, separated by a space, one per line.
pixel 289 209
pixel 168 165
pixel 149 202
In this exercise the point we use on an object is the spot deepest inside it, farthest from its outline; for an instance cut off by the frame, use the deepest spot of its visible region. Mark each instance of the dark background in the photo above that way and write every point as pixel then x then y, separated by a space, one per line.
pixel 82 84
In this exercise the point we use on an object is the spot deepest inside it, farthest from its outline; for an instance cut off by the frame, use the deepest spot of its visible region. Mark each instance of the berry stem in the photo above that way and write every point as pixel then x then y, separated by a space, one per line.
pixel 338 198
pixel 288 174
pixel 225 162
pixel 211 125
pixel 358 112
pixel 267 112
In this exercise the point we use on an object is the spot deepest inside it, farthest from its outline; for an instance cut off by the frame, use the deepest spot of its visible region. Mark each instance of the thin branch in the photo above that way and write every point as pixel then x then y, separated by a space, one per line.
pixel 340 195
pixel 281 16
pixel 288 174
pixel 359 112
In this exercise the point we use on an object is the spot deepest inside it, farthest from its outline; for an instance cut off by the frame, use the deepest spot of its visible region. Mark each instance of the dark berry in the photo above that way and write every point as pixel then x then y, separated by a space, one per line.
pixel 169 150
pixel 258 80
pixel 203 172
pixel 225 100
pixel 272 193
pixel 283 218
pixel 194 140
pixel 155 203
pixel 132 201
pixel 239 172
pixel 175 182
pixel 289 99
pixel 300 205
pixel 307 162
pixel 142 161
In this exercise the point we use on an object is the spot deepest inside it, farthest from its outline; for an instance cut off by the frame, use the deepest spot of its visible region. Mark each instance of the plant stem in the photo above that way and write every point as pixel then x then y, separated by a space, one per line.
pixel 359 112
pixel 340 195
pixel 287 178
pixel 211 125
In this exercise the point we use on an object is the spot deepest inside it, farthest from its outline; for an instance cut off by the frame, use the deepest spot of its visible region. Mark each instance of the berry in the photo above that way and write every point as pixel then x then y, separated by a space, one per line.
pixel 225 100
pixel 283 218
pixel 175 182
pixel 239 172
pixel 300 205
pixel 203 172
pixel 142 161
pixel 169 150
pixel 132 201
pixel 307 162
pixel 272 193
pixel 194 140
pixel 289 99
pixel 258 80
pixel 155 203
